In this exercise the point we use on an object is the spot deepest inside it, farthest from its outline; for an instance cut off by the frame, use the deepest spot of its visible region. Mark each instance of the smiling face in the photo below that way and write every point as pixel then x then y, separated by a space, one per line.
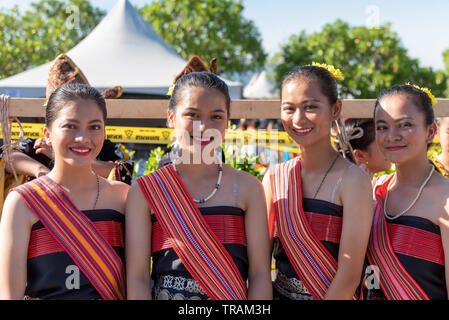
pixel 401 131
pixel 306 113
pixel 200 118
pixel 77 132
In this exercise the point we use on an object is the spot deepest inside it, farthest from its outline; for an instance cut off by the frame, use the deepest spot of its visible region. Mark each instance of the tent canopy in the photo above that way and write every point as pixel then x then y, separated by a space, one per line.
pixel 122 50
pixel 260 87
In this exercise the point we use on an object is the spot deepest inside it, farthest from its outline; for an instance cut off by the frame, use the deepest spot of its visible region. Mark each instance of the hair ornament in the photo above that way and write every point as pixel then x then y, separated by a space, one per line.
pixel 425 90
pixel 170 90
pixel 355 133
pixel 336 73
pixel 195 64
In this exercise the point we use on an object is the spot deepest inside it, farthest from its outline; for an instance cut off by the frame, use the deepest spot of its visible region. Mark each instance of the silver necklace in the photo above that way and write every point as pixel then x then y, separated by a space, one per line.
pixel 325 175
pixel 413 202
pixel 98 191
pixel 217 185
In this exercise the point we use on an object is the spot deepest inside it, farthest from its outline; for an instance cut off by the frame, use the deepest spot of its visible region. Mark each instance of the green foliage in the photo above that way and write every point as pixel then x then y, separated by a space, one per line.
pixel 210 29
pixel 151 164
pixel 38 35
pixel 241 161
pixel 446 71
pixel 371 59
pixel 434 150
pixel 233 158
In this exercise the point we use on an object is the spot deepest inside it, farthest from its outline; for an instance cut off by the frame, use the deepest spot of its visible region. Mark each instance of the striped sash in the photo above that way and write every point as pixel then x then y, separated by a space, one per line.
pixel 193 241
pixel 395 281
pixel 313 263
pixel 77 235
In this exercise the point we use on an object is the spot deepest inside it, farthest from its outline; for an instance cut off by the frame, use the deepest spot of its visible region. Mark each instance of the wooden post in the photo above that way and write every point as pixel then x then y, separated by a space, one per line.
pixel 157 109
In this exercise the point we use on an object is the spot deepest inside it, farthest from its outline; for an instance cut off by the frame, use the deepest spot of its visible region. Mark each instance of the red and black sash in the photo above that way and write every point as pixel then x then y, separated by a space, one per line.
pixel 77 235
pixel 192 239
pixel 313 263
pixel 395 282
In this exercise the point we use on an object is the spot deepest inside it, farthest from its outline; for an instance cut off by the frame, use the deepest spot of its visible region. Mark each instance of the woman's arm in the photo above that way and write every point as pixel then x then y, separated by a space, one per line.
pixel 266 182
pixel 444 230
pixel 356 196
pixel 23 164
pixel 15 228
pixel 138 245
pixel 258 244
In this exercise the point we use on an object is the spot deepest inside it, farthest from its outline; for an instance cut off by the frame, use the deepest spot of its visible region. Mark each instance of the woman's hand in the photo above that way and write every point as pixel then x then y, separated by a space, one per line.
pixel 41 147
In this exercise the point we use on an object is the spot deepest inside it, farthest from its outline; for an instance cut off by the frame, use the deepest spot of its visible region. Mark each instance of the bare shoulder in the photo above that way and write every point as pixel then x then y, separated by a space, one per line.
pixel 439 188
pixel 113 194
pixel 355 181
pixel 16 208
pixel 135 191
pixel 354 174
pixel 115 186
pixel 244 179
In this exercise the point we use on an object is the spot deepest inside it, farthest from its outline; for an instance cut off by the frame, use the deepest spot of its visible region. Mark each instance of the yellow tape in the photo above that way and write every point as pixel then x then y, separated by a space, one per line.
pixel 278 140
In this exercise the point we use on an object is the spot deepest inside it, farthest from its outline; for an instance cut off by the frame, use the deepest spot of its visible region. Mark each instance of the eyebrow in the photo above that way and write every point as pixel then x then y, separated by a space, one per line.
pixel 76 121
pixel 197 109
pixel 305 101
pixel 397 120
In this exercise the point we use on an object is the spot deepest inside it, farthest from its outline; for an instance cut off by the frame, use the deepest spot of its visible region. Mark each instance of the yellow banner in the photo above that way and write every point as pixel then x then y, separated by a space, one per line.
pixel 278 140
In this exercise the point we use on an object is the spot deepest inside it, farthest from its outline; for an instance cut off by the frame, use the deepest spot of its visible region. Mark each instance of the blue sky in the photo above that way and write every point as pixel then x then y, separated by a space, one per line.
pixel 423 26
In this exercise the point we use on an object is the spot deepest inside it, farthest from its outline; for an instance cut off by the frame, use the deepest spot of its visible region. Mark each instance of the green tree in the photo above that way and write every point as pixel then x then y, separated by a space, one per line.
pixel 39 34
pixel 208 28
pixel 446 70
pixel 371 59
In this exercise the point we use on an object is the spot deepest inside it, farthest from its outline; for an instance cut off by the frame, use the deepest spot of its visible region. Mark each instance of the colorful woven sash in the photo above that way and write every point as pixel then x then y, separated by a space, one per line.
pixel 313 263
pixel 193 241
pixel 77 235
pixel 395 281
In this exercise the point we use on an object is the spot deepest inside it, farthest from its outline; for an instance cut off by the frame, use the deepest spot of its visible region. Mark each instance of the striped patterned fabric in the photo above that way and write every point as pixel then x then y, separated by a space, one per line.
pixel 395 281
pixel 229 229
pixel 77 235
pixel 192 239
pixel 313 263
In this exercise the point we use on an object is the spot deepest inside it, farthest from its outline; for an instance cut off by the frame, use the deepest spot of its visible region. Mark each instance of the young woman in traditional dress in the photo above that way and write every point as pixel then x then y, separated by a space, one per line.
pixel 202 222
pixel 319 204
pixel 409 242
pixel 61 235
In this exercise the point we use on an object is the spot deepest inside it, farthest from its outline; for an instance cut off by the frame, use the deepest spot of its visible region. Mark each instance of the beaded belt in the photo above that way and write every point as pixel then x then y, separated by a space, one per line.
pixel 186 285
pixel 291 288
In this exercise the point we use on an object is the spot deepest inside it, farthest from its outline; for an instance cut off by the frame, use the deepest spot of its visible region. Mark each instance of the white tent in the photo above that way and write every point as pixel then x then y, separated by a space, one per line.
pixel 122 50
pixel 260 87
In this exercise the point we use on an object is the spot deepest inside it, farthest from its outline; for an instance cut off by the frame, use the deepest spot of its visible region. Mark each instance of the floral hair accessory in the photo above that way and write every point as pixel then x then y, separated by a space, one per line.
pixel 170 90
pixel 425 90
pixel 336 73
